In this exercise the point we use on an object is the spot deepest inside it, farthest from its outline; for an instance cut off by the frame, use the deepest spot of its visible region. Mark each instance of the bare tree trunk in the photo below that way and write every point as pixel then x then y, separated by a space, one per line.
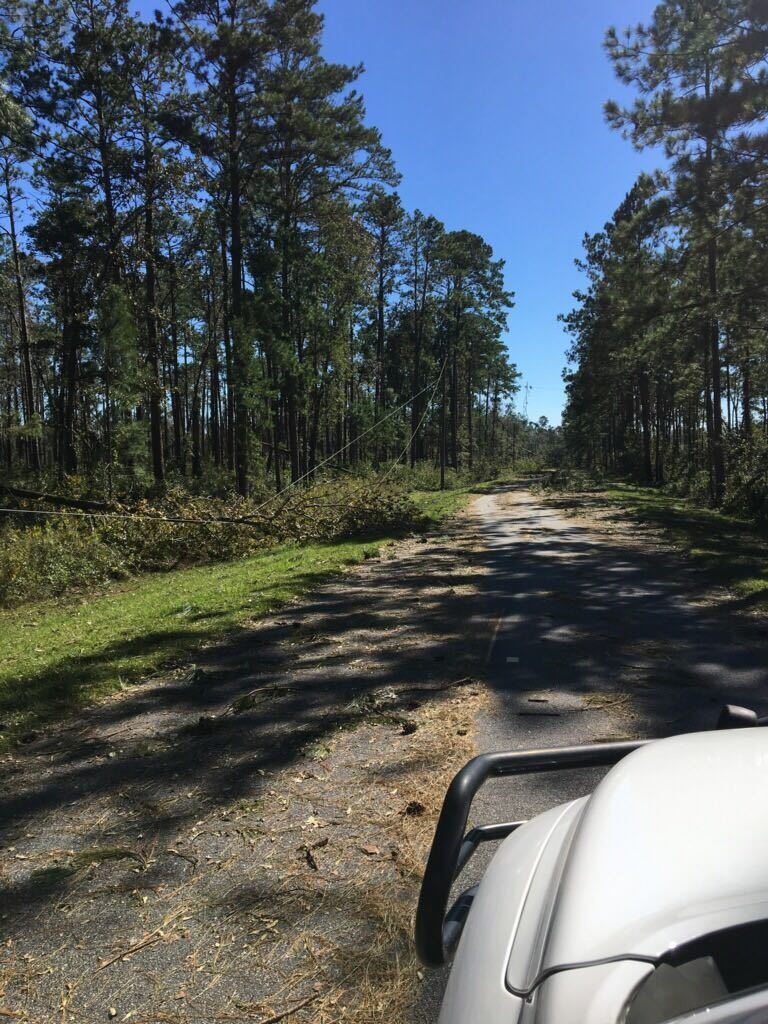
pixel 68 391
pixel 240 349
pixel 443 438
pixel 379 404
pixel 28 390
pixel 645 416
pixel 215 421
pixel 177 411
pixel 718 458
pixel 470 409
pixel 226 326
pixel 150 295
pixel 746 392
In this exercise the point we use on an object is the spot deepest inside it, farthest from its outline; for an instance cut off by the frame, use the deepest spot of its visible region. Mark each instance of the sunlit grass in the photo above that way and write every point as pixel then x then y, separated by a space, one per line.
pixel 437 505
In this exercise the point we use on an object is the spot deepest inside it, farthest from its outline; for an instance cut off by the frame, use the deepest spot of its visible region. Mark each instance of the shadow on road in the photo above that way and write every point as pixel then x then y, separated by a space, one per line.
pixel 592 641
pixel 571 613
pixel 606 639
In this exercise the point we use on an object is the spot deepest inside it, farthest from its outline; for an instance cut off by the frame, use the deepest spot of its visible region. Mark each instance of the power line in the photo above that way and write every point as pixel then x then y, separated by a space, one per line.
pixel 418 425
pixel 242 520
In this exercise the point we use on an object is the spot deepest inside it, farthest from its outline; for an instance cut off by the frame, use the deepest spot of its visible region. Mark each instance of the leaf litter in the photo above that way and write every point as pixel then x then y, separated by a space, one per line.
pixel 185 884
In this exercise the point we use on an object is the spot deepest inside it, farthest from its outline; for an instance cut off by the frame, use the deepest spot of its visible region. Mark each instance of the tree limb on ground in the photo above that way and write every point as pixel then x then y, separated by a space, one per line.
pixel 56 499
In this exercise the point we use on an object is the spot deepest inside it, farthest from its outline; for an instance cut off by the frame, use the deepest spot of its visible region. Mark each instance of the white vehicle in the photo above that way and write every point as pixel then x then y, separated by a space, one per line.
pixel 642 903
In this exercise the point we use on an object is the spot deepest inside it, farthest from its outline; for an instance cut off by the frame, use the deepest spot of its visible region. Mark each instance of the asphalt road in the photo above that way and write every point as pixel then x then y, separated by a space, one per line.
pixel 591 639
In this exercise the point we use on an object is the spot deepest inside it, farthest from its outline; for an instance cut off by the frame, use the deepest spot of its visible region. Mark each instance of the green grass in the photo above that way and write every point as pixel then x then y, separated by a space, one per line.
pixel 523 474
pixel 60 655
pixel 731 551
pixel 439 505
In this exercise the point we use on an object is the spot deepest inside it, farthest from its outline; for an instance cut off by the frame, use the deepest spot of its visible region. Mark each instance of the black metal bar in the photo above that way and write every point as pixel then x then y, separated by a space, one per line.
pixel 456 918
pixel 482 834
pixel 435 935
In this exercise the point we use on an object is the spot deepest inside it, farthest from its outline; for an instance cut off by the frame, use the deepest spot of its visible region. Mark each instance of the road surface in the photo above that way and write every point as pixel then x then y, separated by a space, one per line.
pixel 591 640
pixel 185 807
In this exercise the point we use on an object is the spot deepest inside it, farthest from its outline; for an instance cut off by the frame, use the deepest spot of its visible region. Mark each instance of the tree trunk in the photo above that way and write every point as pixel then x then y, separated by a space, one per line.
pixel 379 404
pixel 454 410
pixel 443 438
pixel 197 458
pixel 68 391
pixel 470 409
pixel 240 348
pixel 419 303
pixel 746 392
pixel 177 411
pixel 415 404
pixel 718 459
pixel 105 170
pixel 708 409
pixel 28 390
pixel 226 328
pixel 215 418
pixel 151 324
pixel 645 417
pixel 290 382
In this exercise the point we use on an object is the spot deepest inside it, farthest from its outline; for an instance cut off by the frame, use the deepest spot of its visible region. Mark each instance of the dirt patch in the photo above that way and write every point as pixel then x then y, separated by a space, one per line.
pixel 244 839
pixel 621 524
pixel 609 520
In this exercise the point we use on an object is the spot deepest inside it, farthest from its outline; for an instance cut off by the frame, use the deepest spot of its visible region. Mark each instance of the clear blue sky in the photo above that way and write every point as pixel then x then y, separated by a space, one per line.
pixel 493 111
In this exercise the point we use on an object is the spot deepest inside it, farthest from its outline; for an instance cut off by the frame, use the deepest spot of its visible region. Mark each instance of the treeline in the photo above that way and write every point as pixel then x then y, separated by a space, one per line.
pixel 670 352
pixel 206 271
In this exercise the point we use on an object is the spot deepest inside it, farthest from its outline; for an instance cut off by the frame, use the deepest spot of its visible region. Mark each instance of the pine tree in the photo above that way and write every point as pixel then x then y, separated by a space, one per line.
pixel 691 70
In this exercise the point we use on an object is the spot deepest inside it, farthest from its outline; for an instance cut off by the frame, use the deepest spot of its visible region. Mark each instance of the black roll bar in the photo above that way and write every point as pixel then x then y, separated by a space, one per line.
pixel 437 928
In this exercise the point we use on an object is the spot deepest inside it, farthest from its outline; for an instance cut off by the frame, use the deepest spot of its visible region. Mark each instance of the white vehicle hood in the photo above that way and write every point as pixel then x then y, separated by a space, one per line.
pixel 673 844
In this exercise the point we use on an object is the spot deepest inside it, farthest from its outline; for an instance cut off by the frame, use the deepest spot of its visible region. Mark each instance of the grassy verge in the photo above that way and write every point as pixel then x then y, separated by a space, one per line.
pixel 731 551
pixel 57 656
pixel 510 477
pixel 437 506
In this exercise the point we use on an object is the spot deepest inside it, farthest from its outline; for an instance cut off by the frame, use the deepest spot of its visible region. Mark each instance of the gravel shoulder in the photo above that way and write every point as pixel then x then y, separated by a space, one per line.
pixel 244 839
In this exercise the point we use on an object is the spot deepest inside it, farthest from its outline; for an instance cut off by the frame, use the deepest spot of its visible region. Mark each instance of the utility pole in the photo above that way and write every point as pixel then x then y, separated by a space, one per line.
pixel 442 425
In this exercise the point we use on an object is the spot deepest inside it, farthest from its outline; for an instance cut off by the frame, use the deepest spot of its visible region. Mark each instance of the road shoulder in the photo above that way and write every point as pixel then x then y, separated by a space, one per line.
pixel 247 838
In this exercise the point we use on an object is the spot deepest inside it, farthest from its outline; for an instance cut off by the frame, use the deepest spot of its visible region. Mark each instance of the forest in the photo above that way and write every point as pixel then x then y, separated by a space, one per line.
pixel 668 382
pixel 207 278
